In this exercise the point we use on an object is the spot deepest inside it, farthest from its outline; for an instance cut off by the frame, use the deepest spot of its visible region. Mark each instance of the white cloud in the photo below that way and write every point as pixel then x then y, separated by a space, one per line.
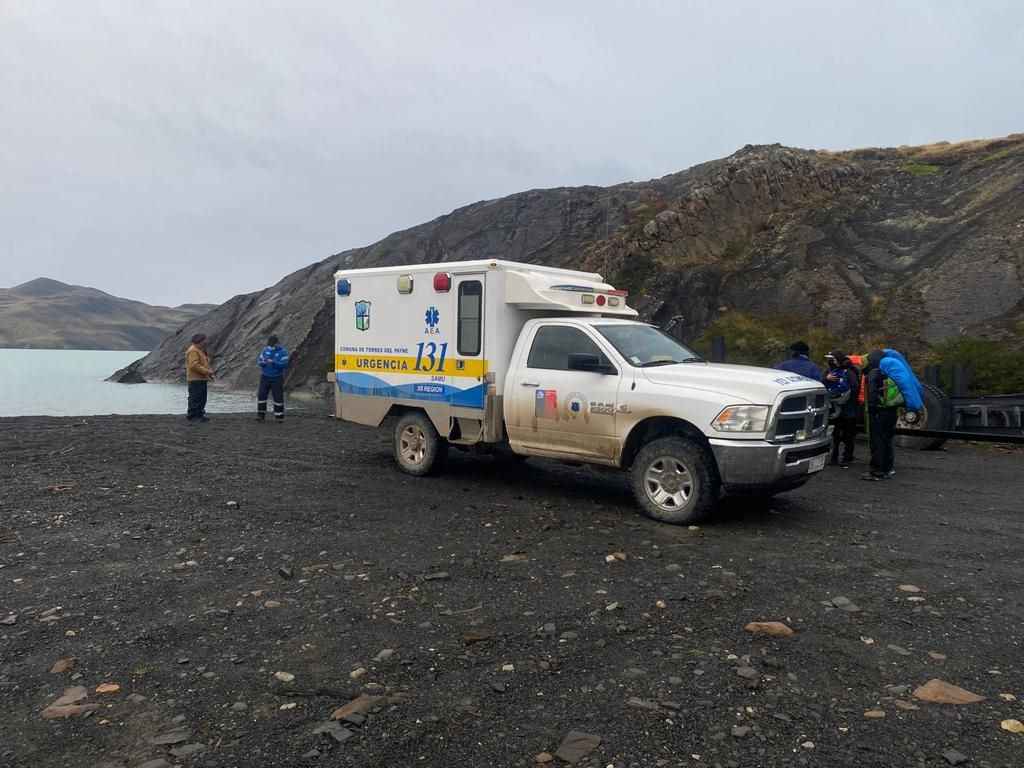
pixel 189 151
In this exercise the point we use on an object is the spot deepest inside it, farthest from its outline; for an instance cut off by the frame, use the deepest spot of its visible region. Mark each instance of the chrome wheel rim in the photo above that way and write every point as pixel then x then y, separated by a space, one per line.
pixel 412 445
pixel 669 483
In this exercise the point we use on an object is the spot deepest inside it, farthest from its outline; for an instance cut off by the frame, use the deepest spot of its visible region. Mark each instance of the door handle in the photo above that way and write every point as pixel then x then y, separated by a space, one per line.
pixel 530 383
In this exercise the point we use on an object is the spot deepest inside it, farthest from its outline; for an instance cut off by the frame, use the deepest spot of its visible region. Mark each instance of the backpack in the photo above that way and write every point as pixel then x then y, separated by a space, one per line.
pixel 891 395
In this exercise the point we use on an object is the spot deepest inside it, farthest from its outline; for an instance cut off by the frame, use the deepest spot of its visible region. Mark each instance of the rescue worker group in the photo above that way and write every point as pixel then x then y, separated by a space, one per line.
pixel 882 383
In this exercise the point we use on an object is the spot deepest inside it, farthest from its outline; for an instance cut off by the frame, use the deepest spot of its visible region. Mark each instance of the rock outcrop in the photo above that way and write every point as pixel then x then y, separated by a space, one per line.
pixel 913 244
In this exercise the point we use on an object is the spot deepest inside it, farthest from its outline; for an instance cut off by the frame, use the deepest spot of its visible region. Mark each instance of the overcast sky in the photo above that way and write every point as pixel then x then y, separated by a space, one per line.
pixel 188 151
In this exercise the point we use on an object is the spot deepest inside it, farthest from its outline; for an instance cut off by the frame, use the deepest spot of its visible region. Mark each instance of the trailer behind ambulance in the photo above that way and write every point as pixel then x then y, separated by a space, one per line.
pixel 524 360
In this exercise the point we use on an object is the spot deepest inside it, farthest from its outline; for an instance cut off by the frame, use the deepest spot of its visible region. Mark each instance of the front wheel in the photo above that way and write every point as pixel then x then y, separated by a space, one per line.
pixel 419 448
pixel 674 481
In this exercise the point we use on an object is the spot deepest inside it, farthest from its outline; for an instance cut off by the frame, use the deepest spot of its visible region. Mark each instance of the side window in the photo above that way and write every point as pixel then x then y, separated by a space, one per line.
pixel 471 293
pixel 553 343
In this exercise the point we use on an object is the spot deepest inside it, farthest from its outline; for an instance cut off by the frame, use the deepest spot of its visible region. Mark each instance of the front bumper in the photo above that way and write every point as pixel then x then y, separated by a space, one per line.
pixel 749 465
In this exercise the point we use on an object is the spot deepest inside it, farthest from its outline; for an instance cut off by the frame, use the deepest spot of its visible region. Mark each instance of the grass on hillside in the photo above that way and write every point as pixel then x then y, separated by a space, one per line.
pixel 921 169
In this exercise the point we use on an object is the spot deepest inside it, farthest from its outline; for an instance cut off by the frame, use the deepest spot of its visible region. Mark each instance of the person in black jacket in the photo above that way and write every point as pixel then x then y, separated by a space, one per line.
pixel 882 418
pixel 842 379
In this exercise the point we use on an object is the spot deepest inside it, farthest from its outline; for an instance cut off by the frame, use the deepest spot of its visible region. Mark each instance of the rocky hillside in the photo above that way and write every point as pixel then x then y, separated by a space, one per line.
pixel 48 314
pixel 911 245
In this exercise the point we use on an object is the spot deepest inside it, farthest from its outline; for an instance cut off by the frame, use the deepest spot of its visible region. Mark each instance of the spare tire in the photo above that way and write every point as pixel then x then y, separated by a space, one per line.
pixel 937 413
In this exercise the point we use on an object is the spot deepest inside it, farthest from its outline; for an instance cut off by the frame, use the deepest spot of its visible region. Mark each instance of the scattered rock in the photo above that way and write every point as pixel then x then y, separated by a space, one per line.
pixel 1007 697
pixel 576 745
pixel 773 628
pixel 271 604
pixel 9 620
pixel 543 757
pixel 846 604
pixel 908 588
pixel 185 750
pixel 438 576
pixel 285 572
pixel 876 714
pixel 748 673
pixel 335 730
pixel 898 649
pixel 62 666
pixel 471 636
pixel 239 706
pixel 174 737
pixel 355 674
pixel 108 688
pixel 741 731
pixel 158 763
pixel 940 692
pixel 66 705
pixel 904 705
pixel 232 505
pixel 384 655
pixel 1013 726
pixel 284 677
pixel 937 656
pixel 953 757
pixel 513 558
pixel 364 704
pixel 673 567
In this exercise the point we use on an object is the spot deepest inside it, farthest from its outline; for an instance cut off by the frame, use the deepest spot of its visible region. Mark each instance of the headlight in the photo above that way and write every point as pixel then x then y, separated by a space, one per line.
pixel 742 418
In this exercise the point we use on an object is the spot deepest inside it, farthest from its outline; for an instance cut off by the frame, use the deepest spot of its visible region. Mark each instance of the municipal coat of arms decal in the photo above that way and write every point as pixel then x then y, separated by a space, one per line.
pixel 363 315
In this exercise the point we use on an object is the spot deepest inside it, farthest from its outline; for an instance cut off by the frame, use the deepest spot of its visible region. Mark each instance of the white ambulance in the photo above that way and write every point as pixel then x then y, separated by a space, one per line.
pixel 525 360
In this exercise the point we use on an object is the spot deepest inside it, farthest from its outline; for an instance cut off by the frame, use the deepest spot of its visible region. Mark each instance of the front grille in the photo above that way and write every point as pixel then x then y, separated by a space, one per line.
pixel 806 411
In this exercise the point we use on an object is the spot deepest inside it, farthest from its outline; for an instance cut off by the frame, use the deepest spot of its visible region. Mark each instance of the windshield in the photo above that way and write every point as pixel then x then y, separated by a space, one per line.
pixel 644 346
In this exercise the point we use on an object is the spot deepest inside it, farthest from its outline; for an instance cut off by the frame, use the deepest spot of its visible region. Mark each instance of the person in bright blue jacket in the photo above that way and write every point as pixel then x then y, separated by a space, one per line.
pixel 891 385
pixel 273 362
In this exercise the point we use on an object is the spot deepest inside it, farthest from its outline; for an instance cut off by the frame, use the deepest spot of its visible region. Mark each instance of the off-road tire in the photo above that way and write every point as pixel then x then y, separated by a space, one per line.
pixel 936 414
pixel 675 480
pixel 419 448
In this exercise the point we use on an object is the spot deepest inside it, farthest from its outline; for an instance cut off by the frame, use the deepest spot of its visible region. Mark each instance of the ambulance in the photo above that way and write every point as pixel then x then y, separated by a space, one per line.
pixel 523 360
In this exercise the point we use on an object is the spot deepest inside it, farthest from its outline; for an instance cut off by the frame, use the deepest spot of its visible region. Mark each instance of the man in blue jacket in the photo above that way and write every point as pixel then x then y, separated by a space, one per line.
pixel 891 385
pixel 799 362
pixel 273 362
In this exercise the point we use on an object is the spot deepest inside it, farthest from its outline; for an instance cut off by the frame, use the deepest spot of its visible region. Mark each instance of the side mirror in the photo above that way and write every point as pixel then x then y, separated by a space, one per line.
pixel 581 361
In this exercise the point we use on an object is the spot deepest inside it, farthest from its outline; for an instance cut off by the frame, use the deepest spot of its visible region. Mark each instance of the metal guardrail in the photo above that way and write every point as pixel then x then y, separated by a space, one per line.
pixel 1014 437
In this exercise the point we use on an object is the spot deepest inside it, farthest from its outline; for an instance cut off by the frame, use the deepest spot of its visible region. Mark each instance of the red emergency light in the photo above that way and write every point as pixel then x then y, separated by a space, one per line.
pixel 442 282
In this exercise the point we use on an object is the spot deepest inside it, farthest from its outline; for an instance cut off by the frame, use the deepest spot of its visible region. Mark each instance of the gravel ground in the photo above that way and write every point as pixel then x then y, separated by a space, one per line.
pixel 494 609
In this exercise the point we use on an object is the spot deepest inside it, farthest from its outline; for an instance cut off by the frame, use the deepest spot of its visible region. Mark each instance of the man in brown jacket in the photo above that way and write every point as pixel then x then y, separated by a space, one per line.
pixel 198 371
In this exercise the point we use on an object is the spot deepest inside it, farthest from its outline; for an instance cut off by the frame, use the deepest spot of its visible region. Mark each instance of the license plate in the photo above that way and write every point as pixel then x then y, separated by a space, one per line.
pixel 816 464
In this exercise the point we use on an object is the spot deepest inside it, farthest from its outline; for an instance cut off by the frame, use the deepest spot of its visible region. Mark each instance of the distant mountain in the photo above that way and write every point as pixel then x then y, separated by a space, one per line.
pixel 905 246
pixel 49 314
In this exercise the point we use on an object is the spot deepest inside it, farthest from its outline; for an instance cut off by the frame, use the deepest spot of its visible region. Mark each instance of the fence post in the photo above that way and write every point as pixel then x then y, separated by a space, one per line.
pixel 717 349
pixel 958 388
pixel 933 375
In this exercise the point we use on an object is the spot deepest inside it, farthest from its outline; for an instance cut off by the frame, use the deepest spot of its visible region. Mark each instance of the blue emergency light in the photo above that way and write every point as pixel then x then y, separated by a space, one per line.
pixel 344 287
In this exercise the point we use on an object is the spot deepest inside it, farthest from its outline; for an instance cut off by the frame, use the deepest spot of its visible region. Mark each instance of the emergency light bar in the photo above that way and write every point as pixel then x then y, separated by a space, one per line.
pixel 594 295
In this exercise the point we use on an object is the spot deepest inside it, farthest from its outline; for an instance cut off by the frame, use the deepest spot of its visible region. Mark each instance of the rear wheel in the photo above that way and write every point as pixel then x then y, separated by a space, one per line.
pixel 419 448
pixel 937 413
pixel 674 481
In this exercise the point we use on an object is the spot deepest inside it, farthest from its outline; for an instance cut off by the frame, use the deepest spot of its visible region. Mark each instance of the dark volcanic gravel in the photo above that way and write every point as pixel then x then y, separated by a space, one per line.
pixel 483 610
